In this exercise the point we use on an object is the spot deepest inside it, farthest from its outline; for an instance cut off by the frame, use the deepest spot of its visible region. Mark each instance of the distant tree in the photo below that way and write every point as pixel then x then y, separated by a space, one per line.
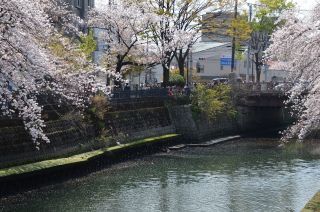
pixel 124 28
pixel 264 23
pixel 169 33
pixel 188 17
pixel 241 30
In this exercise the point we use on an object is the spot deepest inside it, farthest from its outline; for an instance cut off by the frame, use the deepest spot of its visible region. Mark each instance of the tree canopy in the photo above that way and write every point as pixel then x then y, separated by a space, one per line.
pixel 295 48
pixel 36 57
pixel 263 24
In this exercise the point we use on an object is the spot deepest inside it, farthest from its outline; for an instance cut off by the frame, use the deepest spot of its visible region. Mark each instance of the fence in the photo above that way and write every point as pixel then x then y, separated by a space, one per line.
pixel 127 94
pixel 264 87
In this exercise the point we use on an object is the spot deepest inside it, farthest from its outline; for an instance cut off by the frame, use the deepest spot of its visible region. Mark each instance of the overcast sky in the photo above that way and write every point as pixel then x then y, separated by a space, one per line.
pixel 306 4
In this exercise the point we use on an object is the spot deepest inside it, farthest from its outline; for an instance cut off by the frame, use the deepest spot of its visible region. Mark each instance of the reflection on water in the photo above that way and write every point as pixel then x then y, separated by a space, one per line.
pixel 244 175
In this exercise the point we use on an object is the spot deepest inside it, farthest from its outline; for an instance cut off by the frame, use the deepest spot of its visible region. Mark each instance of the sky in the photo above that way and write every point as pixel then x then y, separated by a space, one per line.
pixel 306 4
pixel 99 3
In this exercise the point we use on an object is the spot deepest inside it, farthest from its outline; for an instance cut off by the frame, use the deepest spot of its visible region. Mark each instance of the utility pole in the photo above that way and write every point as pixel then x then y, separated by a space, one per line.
pixel 191 66
pixel 234 38
pixel 188 66
pixel 249 47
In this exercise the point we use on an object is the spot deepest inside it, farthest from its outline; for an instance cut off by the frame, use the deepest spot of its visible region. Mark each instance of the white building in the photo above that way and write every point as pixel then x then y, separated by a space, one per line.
pixel 211 60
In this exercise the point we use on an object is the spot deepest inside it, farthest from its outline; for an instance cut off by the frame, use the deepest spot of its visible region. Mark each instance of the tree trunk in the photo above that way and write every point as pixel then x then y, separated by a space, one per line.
pixel 258 72
pixel 181 59
pixel 181 65
pixel 166 75
pixel 118 70
pixel 258 67
pixel 119 64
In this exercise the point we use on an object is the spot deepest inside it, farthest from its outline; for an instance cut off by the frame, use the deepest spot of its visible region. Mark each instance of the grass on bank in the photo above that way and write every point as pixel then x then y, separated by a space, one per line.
pixel 80 158
pixel 313 205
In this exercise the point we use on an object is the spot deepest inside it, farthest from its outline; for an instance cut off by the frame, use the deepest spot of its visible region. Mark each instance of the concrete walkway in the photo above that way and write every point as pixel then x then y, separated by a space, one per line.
pixel 79 158
pixel 206 144
pixel 313 205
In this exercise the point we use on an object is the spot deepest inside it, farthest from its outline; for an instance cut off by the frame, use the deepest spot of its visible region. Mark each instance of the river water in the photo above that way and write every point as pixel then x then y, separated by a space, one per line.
pixel 243 175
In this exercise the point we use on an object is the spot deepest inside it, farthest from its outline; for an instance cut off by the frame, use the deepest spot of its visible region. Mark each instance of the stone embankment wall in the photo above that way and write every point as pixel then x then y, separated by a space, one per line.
pixel 139 123
pixel 68 134
pixel 249 119
pixel 65 135
pixel 66 131
pixel 198 126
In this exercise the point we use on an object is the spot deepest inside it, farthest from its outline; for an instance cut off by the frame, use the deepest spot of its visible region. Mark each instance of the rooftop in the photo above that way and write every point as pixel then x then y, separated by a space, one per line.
pixel 202 46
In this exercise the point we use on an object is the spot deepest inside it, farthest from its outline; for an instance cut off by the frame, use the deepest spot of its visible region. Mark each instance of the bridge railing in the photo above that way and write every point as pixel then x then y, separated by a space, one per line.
pixel 127 94
pixel 264 87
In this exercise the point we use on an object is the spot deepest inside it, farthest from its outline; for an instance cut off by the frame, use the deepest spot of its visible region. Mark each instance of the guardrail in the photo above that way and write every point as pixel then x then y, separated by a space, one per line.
pixel 130 94
pixel 264 87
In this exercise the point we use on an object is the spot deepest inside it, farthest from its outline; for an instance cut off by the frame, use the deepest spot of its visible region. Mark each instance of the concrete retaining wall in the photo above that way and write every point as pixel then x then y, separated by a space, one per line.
pixel 139 123
pixel 70 135
pixel 199 127
pixel 66 136
pixel 249 119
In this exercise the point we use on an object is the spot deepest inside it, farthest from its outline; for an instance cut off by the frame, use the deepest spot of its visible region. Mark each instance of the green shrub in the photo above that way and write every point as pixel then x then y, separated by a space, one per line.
pixel 176 80
pixel 214 101
pixel 99 106
pixel 96 111
pixel 88 44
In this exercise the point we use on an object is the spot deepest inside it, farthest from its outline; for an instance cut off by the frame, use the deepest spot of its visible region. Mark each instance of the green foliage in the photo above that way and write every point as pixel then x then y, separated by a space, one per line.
pixel 313 204
pixel 240 28
pixel 266 16
pixel 88 44
pixel 97 110
pixel 239 52
pixel 214 101
pixel 99 106
pixel 176 80
pixel 67 49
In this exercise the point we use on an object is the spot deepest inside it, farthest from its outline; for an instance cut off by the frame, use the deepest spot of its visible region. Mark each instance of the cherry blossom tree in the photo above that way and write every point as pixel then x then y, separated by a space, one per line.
pixel 145 32
pixel 28 66
pixel 167 35
pixel 296 47
pixel 188 18
pixel 124 26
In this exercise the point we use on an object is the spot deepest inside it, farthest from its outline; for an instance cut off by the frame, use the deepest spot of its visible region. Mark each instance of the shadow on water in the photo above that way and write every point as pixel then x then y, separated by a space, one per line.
pixel 249 174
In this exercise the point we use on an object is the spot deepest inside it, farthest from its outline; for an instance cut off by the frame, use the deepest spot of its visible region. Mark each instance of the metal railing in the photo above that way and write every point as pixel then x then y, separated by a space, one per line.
pixel 135 94
pixel 262 88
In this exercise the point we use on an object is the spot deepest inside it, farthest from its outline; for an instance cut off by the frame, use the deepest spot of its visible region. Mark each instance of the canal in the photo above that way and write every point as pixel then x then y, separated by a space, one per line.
pixel 243 175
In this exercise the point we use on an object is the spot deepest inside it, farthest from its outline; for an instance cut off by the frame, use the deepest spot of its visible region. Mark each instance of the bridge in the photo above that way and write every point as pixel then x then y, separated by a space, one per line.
pixel 259 95
pixel 261 106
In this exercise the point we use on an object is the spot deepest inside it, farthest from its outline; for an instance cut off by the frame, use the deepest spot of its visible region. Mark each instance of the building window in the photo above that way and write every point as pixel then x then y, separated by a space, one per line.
pixel 78 3
pixel 199 67
pixel 89 3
